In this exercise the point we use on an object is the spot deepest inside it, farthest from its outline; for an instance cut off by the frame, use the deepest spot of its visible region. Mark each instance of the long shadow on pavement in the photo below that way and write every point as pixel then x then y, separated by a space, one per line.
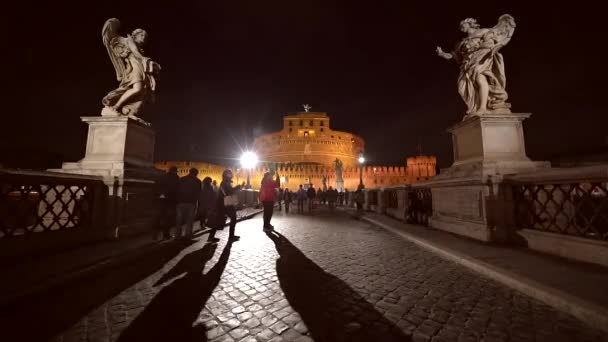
pixel 42 317
pixel 331 309
pixel 170 315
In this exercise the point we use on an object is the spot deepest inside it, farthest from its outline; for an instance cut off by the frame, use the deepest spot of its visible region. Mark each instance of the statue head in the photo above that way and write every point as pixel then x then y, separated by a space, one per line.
pixel 139 36
pixel 469 24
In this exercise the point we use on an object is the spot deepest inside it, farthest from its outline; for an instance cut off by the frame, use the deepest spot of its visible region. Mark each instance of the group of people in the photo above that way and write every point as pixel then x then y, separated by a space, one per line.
pixel 310 198
pixel 186 199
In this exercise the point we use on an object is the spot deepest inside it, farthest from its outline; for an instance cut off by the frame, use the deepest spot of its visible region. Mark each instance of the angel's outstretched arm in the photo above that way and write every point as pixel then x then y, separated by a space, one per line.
pixel 443 54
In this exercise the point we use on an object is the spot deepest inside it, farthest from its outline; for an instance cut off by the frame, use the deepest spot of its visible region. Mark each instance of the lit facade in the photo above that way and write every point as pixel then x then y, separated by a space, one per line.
pixel 304 152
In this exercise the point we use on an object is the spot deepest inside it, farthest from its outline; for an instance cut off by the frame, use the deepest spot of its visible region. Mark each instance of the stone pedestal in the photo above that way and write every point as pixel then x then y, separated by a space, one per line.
pixel 120 150
pixel 467 197
pixel 117 146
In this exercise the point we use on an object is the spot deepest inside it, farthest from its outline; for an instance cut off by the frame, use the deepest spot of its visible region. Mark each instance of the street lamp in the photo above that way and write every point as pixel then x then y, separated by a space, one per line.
pixel 248 161
pixel 361 162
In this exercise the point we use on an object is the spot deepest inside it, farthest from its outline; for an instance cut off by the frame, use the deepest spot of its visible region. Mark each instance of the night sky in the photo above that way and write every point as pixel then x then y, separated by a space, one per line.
pixel 232 69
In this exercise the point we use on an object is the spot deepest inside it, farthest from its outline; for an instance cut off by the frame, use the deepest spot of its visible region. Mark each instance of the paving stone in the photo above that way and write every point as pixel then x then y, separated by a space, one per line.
pixel 336 274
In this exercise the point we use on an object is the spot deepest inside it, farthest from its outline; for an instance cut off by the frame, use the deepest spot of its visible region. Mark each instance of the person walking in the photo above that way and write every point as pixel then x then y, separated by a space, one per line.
pixel 268 195
pixel 311 198
pixel 359 198
pixel 280 197
pixel 287 198
pixel 301 197
pixel 223 209
pixel 168 185
pixel 332 197
pixel 188 193
pixel 214 185
pixel 207 201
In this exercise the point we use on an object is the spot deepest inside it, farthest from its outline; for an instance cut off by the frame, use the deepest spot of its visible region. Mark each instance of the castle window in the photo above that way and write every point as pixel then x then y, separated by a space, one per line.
pixel 321 128
pixel 290 129
pixel 301 123
pixel 311 123
pixel 290 123
pixel 322 123
pixel 332 136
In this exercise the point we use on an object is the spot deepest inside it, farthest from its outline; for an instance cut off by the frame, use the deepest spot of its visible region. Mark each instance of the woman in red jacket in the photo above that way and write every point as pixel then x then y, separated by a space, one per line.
pixel 268 196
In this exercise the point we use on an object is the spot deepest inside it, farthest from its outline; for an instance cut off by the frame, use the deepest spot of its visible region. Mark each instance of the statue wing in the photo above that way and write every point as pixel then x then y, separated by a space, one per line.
pixel 503 31
pixel 109 33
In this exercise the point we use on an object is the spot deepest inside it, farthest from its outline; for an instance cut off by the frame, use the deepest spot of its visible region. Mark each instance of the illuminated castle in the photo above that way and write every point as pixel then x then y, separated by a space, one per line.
pixel 306 138
pixel 305 152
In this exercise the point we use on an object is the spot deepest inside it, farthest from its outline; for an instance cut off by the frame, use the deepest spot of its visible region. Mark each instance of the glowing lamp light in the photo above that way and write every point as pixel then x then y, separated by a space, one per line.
pixel 249 159
pixel 361 160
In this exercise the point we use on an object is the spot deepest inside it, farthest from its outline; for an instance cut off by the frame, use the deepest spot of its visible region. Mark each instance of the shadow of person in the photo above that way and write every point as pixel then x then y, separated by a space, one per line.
pixel 331 309
pixel 170 315
pixel 59 308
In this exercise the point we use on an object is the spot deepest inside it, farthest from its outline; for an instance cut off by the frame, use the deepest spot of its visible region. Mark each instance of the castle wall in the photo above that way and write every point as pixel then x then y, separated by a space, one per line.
pixel 307 138
pixel 419 169
pixel 305 151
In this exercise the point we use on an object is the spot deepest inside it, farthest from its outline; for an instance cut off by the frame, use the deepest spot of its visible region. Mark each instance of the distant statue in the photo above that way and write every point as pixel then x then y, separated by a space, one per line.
pixel 306 107
pixel 137 74
pixel 482 80
pixel 324 182
pixel 338 164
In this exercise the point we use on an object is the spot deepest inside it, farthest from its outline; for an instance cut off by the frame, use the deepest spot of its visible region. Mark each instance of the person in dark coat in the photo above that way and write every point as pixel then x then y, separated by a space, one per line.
pixel 168 200
pixel 188 194
pixel 311 197
pixel 332 197
pixel 287 199
pixel 226 189
pixel 207 201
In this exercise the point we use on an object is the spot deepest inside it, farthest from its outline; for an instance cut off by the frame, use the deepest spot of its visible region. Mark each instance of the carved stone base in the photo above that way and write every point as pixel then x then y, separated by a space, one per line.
pixel 117 146
pixel 467 197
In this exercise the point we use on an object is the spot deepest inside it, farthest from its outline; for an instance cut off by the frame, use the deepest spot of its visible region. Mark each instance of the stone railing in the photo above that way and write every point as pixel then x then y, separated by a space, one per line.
pixel 567 201
pixel 249 198
pixel 410 203
pixel 40 210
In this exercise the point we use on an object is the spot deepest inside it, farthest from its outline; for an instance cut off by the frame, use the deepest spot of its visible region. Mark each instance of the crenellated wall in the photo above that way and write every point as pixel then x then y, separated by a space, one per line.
pixel 419 169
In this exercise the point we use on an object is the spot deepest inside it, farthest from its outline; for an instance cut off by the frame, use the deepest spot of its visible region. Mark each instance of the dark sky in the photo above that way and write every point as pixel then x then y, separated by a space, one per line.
pixel 232 69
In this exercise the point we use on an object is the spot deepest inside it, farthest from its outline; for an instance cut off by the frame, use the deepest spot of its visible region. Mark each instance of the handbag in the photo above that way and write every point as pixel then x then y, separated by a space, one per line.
pixel 216 220
pixel 231 200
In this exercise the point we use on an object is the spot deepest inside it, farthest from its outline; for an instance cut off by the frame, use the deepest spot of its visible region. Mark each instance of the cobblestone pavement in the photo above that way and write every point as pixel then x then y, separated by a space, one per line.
pixel 324 278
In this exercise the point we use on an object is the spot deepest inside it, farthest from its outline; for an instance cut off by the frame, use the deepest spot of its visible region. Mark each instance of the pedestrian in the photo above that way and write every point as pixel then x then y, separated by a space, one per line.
pixel 311 197
pixel 268 195
pixel 226 207
pixel 346 195
pixel 301 197
pixel 287 198
pixel 214 185
pixel 359 197
pixel 341 198
pixel 207 201
pixel 168 200
pixel 332 197
pixel 280 197
pixel 188 194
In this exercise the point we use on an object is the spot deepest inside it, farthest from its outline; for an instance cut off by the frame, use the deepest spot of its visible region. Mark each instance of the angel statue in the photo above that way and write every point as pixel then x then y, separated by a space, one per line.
pixel 137 74
pixel 482 81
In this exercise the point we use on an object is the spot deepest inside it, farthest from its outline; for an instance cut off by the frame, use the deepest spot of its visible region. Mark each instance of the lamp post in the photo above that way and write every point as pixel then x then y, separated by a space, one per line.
pixel 248 161
pixel 361 162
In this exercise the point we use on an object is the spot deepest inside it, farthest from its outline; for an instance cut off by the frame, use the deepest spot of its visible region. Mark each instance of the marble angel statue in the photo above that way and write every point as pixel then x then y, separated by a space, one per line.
pixel 482 80
pixel 136 73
